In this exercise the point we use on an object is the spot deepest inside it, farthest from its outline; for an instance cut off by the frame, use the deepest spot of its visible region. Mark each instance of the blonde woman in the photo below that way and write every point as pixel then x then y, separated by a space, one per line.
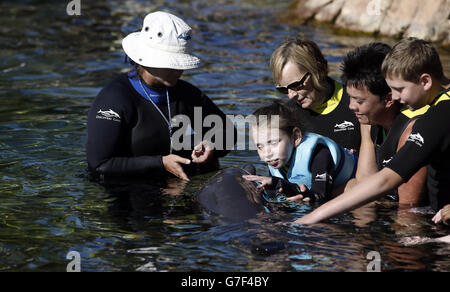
pixel 300 71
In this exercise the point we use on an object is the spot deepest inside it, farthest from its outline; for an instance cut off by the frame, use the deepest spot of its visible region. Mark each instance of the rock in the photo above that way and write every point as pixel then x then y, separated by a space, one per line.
pixel 330 12
pixel 425 19
pixel 398 17
pixel 354 16
pixel 431 21
pixel 308 9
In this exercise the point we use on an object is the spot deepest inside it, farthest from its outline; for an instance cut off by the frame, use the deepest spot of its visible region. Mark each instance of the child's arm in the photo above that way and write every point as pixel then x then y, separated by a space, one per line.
pixel 371 189
pixel 274 183
pixel 443 216
pixel 286 187
pixel 322 169
pixel 367 164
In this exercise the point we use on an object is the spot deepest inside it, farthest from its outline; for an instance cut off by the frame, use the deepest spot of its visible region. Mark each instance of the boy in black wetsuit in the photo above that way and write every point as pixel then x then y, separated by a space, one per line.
pixel 371 101
pixel 414 72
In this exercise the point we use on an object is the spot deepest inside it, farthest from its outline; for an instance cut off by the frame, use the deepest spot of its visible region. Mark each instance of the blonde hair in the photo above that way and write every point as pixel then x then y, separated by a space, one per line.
pixel 306 55
pixel 411 58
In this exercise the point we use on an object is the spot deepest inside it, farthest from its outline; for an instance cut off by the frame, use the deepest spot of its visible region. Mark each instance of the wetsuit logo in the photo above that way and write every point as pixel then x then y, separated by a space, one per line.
pixel 185 36
pixel 417 139
pixel 323 177
pixel 108 115
pixel 386 161
pixel 345 126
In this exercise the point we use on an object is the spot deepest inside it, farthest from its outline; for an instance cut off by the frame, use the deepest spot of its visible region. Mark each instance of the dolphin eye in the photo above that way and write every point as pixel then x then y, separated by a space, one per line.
pixel 146 28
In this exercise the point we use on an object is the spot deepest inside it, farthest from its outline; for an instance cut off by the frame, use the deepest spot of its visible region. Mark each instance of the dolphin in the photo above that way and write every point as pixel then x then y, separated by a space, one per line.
pixel 230 196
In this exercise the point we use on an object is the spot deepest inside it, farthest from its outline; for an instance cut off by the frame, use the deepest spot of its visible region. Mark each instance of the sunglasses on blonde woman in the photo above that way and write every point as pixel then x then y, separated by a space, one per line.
pixel 296 85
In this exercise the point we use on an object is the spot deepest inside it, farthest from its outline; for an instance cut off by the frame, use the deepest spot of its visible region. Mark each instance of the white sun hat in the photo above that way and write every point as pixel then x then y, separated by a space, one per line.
pixel 163 42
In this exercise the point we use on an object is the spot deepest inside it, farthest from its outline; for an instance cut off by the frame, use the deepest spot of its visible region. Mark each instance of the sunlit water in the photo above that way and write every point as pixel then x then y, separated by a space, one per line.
pixel 52 66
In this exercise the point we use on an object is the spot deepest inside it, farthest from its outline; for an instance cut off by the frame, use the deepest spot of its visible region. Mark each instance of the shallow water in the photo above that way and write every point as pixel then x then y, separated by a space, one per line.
pixel 51 67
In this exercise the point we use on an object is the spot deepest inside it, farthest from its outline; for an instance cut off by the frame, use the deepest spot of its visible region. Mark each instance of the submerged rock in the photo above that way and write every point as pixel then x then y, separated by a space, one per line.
pixel 425 19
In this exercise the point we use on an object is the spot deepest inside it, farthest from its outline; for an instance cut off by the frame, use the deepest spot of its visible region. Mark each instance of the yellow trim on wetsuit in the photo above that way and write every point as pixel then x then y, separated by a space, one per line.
pixel 444 96
pixel 331 104
pixel 411 114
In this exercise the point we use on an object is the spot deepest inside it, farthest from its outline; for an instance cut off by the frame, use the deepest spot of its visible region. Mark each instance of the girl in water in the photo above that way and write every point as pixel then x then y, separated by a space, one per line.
pixel 304 166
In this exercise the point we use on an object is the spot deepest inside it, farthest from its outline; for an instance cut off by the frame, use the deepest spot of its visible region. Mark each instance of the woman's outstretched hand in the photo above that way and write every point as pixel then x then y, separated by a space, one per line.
pixel 172 163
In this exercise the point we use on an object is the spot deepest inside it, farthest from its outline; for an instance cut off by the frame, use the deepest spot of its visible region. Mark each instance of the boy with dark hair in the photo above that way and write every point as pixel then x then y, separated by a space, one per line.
pixel 371 101
pixel 414 73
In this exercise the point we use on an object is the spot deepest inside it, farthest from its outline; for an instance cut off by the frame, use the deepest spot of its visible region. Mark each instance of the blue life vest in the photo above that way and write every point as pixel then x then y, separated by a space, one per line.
pixel 300 168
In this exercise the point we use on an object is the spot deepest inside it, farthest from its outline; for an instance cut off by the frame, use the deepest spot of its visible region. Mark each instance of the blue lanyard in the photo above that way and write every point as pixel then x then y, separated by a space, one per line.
pixel 168 121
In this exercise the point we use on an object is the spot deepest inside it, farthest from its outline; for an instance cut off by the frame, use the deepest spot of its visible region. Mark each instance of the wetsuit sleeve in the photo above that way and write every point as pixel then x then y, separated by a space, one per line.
pixel 322 169
pixel 428 136
pixel 110 116
pixel 289 189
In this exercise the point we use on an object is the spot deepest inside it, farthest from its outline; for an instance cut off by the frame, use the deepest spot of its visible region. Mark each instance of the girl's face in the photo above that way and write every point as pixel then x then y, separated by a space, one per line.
pixel 274 146
pixel 306 96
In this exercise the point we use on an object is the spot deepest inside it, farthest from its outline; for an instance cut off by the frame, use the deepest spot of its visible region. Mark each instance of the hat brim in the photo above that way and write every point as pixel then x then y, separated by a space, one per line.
pixel 154 58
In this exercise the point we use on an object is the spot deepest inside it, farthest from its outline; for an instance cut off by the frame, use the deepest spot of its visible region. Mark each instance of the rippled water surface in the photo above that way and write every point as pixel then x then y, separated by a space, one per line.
pixel 52 66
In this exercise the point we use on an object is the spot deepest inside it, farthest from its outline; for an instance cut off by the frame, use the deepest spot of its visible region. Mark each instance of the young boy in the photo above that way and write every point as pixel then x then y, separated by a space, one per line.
pixel 414 72
pixel 371 101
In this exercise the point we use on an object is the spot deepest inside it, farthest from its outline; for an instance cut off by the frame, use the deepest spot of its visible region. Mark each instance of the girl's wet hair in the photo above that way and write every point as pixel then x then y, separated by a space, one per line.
pixel 287 113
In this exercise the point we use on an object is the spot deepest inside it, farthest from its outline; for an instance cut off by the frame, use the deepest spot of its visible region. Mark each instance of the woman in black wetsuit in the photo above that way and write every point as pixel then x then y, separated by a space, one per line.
pixel 300 71
pixel 143 122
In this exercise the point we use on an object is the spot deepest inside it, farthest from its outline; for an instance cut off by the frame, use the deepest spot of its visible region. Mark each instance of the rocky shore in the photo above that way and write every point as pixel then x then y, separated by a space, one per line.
pixel 426 19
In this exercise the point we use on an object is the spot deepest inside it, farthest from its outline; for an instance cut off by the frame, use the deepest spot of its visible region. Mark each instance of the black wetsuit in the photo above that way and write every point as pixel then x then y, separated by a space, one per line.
pixel 429 144
pixel 323 173
pixel 386 148
pixel 334 119
pixel 127 136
